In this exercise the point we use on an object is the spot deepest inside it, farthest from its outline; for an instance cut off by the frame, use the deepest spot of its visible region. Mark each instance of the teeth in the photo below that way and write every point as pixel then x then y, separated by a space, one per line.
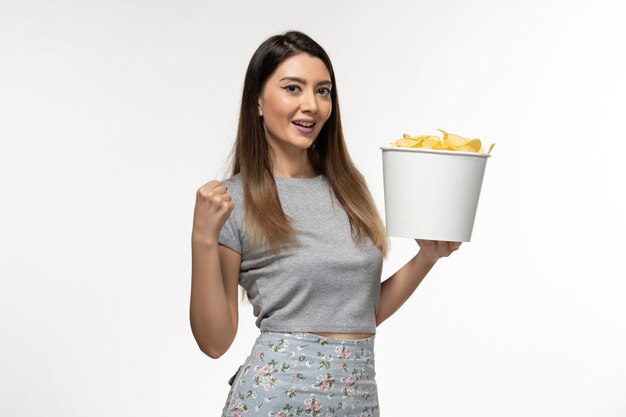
pixel 305 124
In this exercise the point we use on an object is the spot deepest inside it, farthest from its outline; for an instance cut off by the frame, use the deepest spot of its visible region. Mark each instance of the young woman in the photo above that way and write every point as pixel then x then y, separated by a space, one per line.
pixel 297 228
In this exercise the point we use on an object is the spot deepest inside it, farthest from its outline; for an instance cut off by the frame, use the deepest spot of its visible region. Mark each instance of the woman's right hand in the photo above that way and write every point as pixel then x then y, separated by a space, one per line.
pixel 213 207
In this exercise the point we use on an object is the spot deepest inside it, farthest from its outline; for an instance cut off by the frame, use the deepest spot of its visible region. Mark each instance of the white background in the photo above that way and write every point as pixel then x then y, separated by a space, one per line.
pixel 113 113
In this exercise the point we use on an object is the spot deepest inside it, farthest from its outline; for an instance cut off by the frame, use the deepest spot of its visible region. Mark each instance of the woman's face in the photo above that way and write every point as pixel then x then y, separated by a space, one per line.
pixel 295 102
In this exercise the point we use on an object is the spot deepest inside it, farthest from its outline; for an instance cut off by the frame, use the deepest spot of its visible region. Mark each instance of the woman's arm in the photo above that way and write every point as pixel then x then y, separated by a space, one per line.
pixel 214 273
pixel 213 311
pixel 396 289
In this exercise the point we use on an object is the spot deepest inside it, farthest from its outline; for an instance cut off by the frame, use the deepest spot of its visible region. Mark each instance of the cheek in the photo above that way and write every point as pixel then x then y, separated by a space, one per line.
pixel 275 108
pixel 329 110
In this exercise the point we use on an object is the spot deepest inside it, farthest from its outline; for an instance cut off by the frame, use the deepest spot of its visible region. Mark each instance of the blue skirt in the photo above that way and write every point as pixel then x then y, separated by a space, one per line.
pixel 304 374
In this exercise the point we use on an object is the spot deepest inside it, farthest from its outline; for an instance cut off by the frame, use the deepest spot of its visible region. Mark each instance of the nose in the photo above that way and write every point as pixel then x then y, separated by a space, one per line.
pixel 309 102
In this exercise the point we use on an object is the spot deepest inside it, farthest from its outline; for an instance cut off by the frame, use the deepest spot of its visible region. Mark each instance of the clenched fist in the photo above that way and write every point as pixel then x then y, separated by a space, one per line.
pixel 213 206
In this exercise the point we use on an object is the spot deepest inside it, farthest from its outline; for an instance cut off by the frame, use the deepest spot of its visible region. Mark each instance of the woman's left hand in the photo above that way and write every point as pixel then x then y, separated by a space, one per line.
pixel 435 249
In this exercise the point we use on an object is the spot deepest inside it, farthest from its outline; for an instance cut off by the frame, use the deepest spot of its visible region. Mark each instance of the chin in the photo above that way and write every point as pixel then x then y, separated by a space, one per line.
pixel 303 144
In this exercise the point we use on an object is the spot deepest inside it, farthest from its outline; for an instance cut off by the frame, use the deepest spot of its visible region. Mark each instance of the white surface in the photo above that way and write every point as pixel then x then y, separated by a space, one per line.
pixel 431 194
pixel 113 113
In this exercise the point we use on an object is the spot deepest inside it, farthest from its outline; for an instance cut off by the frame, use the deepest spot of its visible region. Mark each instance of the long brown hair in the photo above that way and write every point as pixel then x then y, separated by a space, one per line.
pixel 266 223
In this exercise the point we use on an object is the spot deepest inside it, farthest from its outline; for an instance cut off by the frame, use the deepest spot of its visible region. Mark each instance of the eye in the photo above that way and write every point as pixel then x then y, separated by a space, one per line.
pixel 325 91
pixel 291 88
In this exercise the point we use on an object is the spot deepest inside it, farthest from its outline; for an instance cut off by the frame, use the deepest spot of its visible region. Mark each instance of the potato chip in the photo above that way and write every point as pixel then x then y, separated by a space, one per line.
pixel 408 143
pixel 471 146
pixel 430 141
pixel 442 146
pixel 453 141
pixel 450 142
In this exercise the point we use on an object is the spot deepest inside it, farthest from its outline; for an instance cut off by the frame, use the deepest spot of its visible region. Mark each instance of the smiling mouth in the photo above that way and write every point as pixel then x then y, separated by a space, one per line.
pixel 304 124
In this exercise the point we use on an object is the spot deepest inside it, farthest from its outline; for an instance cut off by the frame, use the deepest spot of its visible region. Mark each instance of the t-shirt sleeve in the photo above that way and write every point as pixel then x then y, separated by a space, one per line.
pixel 230 235
pixel 232 231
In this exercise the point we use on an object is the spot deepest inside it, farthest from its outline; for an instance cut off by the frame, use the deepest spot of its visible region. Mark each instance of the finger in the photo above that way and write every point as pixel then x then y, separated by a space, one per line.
pixel 212 184
pixel 220 198
pixel 453 246
pixel 219 190
pixel 207 189
pixel 220 206
pixel 214 192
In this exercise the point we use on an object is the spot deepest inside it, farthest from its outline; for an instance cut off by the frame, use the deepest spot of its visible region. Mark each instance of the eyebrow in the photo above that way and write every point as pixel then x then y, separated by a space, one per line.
pixel 302 81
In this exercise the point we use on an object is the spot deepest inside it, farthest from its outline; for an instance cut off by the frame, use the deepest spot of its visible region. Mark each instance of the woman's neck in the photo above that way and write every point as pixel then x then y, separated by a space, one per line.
pixel 294 165
pixel 283 171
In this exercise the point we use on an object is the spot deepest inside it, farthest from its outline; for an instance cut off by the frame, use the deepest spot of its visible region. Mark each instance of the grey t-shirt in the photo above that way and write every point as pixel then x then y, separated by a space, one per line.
pixel 324 283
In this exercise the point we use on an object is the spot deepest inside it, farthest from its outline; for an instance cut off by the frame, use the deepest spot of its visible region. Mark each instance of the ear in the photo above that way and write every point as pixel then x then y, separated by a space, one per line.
pixel 259 103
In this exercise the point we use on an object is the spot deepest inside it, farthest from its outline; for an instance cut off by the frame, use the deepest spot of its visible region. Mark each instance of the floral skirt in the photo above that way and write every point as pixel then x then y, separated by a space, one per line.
pixel 304 374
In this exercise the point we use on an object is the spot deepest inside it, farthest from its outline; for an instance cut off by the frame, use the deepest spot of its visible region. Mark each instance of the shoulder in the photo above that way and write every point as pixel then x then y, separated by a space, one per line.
pixel 234 180
pixel 234 186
